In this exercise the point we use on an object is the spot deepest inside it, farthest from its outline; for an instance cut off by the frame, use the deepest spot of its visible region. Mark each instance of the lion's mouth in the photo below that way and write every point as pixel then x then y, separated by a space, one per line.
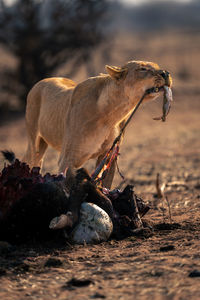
pixel 168 83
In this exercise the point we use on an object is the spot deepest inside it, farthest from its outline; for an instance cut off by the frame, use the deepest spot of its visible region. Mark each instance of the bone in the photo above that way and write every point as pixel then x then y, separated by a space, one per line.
pixel 61 222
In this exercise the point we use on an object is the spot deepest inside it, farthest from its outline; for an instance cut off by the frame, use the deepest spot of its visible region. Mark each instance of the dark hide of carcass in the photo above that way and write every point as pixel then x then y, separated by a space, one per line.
pixel 29 201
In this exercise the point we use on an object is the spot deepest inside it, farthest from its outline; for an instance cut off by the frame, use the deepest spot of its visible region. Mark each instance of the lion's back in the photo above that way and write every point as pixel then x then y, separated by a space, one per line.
pixel 50 94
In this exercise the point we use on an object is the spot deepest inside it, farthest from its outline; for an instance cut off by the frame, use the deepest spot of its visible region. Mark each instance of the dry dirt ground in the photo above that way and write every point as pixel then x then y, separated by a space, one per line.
pixel 162 264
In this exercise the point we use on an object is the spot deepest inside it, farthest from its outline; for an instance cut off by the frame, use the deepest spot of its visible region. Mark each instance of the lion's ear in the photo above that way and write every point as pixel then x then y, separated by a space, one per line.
pixel 116 72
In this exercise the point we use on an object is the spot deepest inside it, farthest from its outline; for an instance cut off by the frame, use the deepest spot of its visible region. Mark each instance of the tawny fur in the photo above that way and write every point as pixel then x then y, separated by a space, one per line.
pixel 82 120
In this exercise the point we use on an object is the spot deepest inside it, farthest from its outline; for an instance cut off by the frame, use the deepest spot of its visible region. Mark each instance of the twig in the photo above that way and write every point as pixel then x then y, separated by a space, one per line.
pixel 137 218
pixel 169 209
pixel 163 214
pixel 160 189
pixel 161 195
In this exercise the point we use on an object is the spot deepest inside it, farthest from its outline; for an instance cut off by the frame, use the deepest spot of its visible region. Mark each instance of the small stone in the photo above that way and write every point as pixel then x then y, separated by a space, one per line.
pixel 194 273
pixel 167 248
pixel 74 282
pixel 156 273
pixel 197 186
pixel 98 295
pixel 53 262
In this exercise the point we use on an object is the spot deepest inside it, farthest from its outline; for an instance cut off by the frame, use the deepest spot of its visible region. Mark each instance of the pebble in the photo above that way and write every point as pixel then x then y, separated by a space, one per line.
pixel 74 282
pixel 194 273
pixel 98 296
pixel 53 262
pixel 167 248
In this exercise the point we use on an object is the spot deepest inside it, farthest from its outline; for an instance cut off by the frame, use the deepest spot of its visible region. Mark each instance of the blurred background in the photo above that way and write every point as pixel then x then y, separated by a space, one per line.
pixel 76 38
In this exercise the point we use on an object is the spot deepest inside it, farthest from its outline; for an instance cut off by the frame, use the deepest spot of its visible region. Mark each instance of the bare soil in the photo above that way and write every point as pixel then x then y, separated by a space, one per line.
pixel 155 264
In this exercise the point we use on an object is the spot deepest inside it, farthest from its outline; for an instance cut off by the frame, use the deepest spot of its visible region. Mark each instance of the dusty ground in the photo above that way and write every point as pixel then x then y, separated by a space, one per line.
pixel 137 267
pixel 151 266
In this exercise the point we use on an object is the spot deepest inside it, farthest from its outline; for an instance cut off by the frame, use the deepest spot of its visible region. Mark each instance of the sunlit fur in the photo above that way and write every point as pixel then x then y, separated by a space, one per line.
pixel 82 120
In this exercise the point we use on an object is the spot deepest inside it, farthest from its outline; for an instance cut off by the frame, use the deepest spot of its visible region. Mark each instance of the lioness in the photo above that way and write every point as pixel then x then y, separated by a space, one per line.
pixel 82 120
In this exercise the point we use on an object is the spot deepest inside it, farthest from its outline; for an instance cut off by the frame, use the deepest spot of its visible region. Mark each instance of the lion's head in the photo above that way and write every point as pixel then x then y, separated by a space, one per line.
pixel 139 76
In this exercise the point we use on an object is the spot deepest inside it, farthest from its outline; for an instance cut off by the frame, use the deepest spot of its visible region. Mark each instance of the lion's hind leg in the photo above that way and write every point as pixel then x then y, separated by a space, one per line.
pixel 40 151
pixel 35 152
pixel 27 158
